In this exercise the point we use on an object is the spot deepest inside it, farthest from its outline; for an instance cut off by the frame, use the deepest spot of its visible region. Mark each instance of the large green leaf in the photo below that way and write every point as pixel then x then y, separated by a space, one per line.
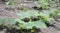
pixel 38 24
pixel 31 24
pixel 45 13
pixel 10 22
pixel 28 14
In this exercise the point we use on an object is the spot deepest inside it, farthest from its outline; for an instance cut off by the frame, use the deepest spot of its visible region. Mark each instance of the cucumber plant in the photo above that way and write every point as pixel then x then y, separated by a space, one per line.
pixel 42 18
pixel 25 20
pixel 42 4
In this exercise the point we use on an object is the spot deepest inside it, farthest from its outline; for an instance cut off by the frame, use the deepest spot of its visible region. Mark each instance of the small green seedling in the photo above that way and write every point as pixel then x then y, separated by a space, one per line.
pixel 11 2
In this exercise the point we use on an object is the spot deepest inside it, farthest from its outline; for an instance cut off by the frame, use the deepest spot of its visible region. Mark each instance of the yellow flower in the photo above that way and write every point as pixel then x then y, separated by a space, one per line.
pixel 32 30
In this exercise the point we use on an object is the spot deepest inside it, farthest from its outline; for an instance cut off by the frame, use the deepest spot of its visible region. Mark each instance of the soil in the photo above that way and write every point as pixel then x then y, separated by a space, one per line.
pixel 5 13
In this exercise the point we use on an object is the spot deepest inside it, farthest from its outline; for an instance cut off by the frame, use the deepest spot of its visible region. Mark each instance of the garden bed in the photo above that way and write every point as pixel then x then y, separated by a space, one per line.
pixel 5 12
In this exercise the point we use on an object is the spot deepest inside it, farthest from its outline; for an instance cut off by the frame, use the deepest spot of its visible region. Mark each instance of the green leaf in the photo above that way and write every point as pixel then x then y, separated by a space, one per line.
pixel 44 14
pixel 2 20
pixel 12 21
pixel 50 19
pixel 20 22
pixel 31 24
pixel 23 15
pixel 53 12
pixel 37 24
pixel 28 14
pixel 59 14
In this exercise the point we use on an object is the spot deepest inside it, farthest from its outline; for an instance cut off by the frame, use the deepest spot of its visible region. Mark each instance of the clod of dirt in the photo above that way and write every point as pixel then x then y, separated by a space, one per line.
pixel 57 25
pixel 49 30
pixel 34 18
pixel 2 31
pixel 9 9
pixel 25 19
pixel 37 8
